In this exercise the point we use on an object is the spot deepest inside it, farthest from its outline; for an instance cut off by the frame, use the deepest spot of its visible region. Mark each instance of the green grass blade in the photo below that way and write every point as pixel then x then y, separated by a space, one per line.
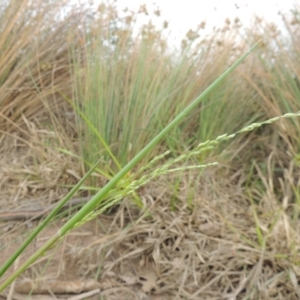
pixel 37 230
pixel 93 129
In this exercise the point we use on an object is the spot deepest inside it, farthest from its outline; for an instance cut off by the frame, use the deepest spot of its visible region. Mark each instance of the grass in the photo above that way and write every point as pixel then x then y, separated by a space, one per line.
pixel 125 93
pixel 241 216
pixel 115 193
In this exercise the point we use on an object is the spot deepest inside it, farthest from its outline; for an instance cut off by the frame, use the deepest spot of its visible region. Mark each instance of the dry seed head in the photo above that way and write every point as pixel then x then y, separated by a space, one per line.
pixel 236 20
pixel 202 25
pixel 192 35
pixel 258 19
pixel 157 12
pixel 143 10
pixel 101 8
pixel 128 19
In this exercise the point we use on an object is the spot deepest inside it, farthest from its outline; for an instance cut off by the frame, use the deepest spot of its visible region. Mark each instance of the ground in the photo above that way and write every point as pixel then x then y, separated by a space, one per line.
pixel 204 248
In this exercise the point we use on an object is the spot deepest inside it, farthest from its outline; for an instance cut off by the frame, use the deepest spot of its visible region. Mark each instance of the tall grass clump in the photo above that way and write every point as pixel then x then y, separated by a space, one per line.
pixel 118 187
pixel 275 75
pixel 130 85
pixel 34 62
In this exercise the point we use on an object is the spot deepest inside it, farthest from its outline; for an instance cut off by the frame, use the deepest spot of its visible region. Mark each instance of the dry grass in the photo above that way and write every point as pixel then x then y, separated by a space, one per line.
pixel 34 63
pixel 209 249
pixel 32 170
pixel 231 233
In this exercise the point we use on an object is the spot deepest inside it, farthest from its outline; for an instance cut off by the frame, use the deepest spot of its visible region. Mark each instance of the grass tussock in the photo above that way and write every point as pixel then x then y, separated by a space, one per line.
pixel 128 82
pixel 34 62
pixel 77 86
